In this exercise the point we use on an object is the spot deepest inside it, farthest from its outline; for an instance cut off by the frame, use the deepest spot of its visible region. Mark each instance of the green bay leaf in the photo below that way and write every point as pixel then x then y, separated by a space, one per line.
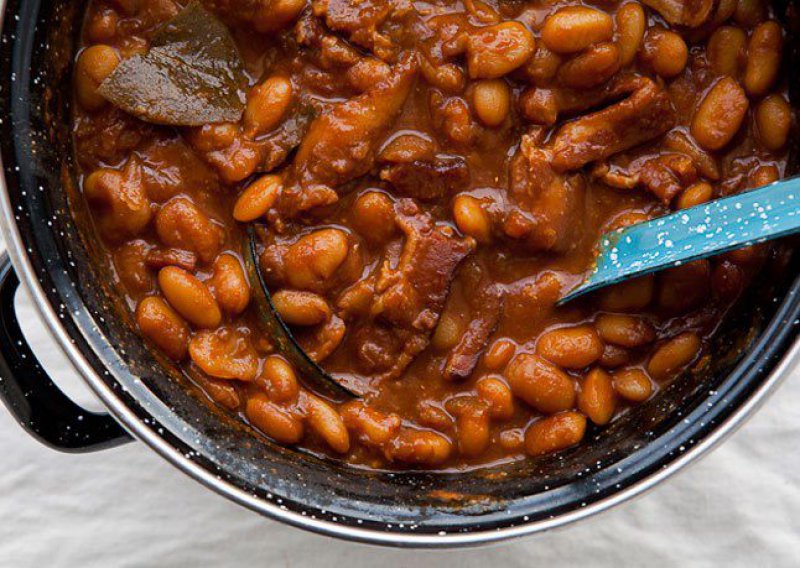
pixel 192 75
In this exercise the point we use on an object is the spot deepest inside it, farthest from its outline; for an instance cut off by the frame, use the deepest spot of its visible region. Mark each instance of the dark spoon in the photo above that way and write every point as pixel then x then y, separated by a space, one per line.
pixel 311 374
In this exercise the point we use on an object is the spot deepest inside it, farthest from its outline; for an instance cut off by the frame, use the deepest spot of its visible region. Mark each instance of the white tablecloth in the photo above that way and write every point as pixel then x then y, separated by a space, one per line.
pixel 740 506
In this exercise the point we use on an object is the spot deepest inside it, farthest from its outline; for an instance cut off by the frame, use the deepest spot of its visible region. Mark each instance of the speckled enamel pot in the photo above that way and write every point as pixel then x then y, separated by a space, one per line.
pixel 51 247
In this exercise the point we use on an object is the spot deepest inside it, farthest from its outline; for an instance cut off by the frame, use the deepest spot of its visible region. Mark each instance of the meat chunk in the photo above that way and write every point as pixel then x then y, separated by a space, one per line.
pixel 108 138
pixel 428 179
pixel 545 203
pixel 485 300
pixel 341 144
pixel 159 258
pixel 360 21
pixel 547 105
pixel 681 143
pixel 667 175
pixel 338 65
pixel 689 13
pixel 646 114
pixel 410 293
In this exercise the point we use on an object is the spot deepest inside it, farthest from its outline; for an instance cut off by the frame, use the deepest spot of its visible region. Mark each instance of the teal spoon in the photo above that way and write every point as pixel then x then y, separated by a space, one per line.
pixel 756 216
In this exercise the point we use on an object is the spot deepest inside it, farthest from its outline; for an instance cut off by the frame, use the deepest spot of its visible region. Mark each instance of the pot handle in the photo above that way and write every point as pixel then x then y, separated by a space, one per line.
pixel 35 401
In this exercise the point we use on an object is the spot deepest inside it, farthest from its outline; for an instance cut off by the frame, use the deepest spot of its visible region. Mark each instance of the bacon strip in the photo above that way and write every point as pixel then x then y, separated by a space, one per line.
pixel 646 114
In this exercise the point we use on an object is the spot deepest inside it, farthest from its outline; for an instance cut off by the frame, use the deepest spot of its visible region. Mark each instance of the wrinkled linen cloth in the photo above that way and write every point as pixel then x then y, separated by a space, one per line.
pixel 738 506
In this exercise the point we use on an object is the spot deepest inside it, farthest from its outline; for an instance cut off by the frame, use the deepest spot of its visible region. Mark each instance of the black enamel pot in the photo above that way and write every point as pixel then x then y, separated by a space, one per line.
pixel 51 248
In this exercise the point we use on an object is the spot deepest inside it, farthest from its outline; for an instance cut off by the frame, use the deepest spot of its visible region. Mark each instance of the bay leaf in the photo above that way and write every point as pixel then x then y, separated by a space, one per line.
pixel 192 74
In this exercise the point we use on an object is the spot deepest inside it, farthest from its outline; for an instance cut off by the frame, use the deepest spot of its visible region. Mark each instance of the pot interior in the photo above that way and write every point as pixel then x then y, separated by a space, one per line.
pixel 38 46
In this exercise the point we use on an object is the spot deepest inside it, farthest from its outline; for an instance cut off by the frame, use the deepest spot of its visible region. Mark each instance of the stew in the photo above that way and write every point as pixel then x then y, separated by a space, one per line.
pixel 426 179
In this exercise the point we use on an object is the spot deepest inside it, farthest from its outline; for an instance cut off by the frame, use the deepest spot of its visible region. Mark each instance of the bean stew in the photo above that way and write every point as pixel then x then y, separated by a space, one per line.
pixel 426 179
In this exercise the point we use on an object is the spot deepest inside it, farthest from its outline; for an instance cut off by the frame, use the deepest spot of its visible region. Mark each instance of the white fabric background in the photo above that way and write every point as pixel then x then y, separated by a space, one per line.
pixel 740 506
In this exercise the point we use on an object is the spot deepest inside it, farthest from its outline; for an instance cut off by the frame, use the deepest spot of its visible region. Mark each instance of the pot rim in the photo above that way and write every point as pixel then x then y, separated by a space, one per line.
pixel 137 427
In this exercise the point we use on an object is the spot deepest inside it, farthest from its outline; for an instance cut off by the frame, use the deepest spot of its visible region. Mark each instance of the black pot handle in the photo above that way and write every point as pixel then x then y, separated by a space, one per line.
pixel 35 401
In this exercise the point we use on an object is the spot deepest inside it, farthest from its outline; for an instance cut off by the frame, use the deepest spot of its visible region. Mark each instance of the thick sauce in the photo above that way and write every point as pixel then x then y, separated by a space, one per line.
pixel 428 178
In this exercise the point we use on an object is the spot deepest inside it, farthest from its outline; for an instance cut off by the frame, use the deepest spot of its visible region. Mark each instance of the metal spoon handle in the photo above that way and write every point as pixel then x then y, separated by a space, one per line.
pixel 766 213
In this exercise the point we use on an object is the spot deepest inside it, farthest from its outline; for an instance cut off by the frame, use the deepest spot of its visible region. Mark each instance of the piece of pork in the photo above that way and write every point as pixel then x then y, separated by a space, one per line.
pixel 485 301
pixel 548 105
pixel 341 143
pixel 410 292
pixel 545 205
pixel 667 175
pixel 360 21
pixel 664 175
pixel 644 115
pixel 428 180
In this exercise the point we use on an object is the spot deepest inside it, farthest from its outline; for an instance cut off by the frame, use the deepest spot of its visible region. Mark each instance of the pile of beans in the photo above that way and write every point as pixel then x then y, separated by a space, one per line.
pixel 428 179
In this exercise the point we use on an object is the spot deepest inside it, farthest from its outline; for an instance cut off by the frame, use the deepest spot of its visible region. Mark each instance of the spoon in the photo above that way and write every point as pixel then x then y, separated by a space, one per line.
pixel 310 373
pixel 770 212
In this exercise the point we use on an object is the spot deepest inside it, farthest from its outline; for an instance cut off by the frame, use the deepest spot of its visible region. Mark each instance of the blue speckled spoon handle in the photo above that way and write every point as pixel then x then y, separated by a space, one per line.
pixel 766 213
